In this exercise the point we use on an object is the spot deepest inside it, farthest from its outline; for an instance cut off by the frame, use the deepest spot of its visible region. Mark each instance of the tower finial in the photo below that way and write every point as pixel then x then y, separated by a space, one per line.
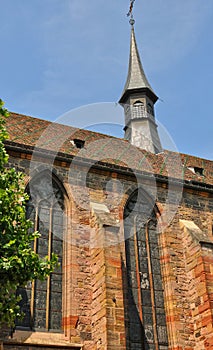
pixel 130 14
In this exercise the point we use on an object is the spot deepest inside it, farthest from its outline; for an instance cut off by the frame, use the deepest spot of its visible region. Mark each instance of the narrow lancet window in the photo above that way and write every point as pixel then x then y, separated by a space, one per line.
pixel 42 300
pixel 145 313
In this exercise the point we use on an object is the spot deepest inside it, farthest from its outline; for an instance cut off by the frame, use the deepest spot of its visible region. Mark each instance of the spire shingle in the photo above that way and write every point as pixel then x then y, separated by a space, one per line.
pixel 136 78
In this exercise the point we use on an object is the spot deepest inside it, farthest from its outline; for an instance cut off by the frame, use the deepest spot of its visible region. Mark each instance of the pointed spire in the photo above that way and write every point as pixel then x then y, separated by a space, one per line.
pixel 136 78
pixel 138 101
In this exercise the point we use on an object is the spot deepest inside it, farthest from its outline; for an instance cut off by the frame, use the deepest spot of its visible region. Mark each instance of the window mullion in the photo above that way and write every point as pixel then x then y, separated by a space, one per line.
pixel 151 286
pixel 138 277
pixel 49 277
pixel 32 300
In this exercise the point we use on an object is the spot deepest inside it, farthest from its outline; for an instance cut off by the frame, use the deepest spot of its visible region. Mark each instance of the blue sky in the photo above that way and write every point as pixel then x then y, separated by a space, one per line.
pixel 59 55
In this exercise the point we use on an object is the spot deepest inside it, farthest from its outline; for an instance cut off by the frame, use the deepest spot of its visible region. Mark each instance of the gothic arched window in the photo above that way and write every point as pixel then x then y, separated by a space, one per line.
pixel 145 320
pixel 42 300
pixel 138 110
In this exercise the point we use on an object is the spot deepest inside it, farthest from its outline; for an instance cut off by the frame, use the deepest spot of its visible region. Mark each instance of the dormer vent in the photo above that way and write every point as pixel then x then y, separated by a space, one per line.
pixel 77 143
pixel 197 170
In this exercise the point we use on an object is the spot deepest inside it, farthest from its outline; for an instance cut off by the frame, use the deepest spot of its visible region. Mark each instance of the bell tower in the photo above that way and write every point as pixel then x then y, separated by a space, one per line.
pixel 138 100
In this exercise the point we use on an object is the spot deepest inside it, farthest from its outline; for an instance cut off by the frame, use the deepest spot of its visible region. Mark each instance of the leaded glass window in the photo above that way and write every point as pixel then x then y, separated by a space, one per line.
pixel 42 300
pixel 145 313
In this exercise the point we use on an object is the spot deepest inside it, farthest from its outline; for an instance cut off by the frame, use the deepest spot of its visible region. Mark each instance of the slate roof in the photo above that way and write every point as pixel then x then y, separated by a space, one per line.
pixel 27 132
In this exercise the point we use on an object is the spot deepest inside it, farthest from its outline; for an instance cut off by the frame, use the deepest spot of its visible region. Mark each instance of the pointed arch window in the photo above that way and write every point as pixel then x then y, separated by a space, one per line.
pixel 138 109
pixel 42 300
pixel 145 313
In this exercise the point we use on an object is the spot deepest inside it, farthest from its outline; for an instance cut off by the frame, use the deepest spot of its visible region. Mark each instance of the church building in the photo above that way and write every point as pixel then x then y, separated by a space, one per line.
pixel 132 226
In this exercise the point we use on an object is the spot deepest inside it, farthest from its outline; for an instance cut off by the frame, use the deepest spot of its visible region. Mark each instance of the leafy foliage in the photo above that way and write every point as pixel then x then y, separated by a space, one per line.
pixel 18 262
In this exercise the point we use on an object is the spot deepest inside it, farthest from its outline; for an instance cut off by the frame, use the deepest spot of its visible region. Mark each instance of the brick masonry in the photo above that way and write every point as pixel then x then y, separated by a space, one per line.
pixel 95 270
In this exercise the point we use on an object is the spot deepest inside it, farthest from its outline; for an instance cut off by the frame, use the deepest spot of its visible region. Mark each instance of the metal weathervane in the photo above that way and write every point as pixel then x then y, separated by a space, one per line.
pixel 130 13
